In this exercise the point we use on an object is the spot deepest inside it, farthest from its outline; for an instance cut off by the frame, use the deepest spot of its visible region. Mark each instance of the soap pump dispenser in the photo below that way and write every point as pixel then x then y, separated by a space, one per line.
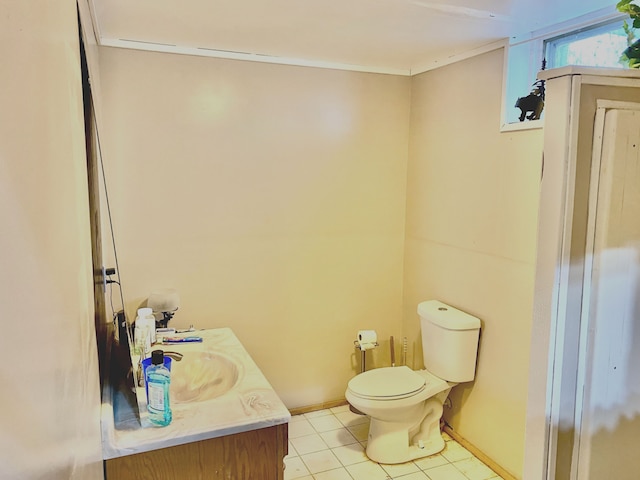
pixel 158 379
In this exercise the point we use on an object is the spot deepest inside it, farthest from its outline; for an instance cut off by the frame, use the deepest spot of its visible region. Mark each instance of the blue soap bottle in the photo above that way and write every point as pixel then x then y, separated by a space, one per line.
pixel 158 379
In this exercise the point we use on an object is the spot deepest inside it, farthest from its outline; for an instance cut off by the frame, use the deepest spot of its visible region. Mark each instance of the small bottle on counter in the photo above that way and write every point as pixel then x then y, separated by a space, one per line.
pixel 158 379
pixel 141 339
pixel 145 331
pixel 147 314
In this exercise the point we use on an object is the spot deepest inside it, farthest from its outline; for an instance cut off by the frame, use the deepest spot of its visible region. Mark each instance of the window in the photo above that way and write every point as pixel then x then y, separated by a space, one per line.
pixel 597 46
pixel 595 40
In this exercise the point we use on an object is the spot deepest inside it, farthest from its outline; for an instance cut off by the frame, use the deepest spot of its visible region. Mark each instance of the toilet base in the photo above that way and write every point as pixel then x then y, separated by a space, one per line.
pixel 394 442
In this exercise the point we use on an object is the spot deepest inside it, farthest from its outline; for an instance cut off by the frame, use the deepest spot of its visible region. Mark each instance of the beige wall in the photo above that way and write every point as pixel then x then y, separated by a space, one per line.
pixel 271 197
pixel 472 199
pixel 50 416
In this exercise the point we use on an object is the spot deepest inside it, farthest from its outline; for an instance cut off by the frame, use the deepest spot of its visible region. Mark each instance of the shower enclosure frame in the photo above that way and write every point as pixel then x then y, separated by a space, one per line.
pixel 559 355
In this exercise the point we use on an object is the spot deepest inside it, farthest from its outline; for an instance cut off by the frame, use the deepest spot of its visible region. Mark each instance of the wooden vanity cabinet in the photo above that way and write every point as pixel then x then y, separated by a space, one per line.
pixel 253 455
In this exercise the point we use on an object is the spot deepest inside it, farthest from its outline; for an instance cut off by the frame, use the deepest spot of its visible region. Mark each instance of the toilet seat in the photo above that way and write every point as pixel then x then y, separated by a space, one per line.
pixel 388 383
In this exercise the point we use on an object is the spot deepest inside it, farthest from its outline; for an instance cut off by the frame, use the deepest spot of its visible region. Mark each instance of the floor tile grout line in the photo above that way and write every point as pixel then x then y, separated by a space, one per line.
pixel 331 414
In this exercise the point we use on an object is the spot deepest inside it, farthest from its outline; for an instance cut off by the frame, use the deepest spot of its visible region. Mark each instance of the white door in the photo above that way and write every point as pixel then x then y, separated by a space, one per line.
pixel 608 413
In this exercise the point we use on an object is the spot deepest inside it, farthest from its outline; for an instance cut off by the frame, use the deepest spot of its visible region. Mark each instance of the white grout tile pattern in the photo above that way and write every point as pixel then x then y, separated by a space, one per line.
pixel 309 444
pixel 350 454
pixel 321 461
pixel 330 445
pixel 338 437
pixel 325 423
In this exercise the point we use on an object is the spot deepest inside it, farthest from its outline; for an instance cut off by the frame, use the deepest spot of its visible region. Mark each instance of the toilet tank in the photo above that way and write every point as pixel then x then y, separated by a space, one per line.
pixel 449 341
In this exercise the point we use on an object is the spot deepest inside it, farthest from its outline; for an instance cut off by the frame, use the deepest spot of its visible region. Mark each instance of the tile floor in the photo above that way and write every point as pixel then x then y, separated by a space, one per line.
pixel 329 445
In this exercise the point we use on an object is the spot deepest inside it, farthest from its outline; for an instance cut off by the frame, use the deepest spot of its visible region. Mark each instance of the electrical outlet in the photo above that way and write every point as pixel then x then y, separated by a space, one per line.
pixel 105 273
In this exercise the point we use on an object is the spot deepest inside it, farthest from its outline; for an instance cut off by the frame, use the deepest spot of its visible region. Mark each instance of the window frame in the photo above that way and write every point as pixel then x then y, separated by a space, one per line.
pixel 523 60
pixel 550 45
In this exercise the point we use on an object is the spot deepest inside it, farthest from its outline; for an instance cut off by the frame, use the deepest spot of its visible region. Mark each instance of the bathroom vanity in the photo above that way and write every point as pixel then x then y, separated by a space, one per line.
pixel 228 422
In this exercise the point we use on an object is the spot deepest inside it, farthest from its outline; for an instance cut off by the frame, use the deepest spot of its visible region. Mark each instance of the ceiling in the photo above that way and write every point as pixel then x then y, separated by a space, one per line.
pixel 377 35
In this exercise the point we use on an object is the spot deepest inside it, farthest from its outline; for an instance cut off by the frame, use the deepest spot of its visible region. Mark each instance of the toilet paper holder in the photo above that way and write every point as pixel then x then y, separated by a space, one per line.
pixel 364 346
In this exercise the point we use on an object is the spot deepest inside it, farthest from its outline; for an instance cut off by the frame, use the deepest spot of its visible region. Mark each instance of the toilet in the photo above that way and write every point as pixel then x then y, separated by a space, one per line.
pixel 405 406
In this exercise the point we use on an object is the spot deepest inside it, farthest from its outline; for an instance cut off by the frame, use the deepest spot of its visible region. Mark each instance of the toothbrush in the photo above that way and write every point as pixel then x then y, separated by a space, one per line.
pixel 181 340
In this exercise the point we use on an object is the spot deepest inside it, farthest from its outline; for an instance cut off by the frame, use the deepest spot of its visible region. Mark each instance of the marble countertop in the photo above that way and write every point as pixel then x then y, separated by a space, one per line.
pixel 250 404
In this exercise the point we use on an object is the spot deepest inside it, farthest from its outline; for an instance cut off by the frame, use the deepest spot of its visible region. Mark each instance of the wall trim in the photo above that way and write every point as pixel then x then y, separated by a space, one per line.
pixel 317 406
pixel 299 62
pixel 477 453
pixel 250 57
pixel 458 57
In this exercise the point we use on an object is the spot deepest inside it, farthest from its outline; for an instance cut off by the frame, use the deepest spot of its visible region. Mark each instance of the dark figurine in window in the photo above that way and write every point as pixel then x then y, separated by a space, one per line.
pixel 534 102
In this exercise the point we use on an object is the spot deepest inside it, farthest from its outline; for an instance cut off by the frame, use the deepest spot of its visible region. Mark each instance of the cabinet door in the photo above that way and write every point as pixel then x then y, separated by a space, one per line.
pixel 258 454
pixel 608 438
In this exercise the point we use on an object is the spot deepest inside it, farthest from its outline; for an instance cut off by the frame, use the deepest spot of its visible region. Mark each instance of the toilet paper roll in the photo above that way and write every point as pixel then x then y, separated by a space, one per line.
pixel 367 346
pixel 367 336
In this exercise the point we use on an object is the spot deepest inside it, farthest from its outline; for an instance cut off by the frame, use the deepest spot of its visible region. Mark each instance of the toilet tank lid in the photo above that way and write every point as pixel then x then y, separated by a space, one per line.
pixel 447 316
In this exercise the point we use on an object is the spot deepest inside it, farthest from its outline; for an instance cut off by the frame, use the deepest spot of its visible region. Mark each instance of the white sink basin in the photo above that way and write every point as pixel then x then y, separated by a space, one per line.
pixel 216 390
pixel 202 376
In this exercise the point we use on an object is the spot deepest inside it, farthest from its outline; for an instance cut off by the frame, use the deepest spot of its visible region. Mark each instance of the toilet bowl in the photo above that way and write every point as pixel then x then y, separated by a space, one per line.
pixel 405 409
pixel 405 406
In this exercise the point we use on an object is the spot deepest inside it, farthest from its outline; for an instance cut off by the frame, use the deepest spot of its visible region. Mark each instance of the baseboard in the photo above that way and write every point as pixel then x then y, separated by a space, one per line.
pixel 318 406
pixel 478 454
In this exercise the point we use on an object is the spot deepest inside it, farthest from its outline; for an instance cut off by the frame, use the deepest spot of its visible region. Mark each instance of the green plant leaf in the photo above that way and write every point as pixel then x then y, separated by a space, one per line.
pixel 631 54
pixel 631 9
pixel 629 32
